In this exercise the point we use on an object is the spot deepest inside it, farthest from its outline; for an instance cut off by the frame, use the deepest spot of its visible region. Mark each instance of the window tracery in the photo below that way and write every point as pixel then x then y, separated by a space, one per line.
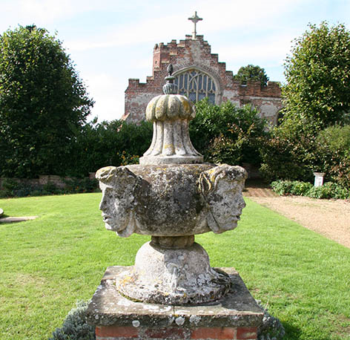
pixel 196 85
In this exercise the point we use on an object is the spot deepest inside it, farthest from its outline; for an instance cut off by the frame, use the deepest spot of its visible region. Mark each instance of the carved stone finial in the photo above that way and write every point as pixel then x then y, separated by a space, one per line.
pixel 170 114
pixel 170 69
pixel 170 87
pixel 195 18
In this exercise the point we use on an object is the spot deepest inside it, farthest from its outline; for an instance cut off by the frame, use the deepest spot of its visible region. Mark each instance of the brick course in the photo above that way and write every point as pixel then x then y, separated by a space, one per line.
pixel 215 333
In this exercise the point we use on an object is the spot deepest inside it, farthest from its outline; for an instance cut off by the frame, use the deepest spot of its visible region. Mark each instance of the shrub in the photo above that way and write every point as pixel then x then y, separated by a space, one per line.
pixel 80 185
pixel 12 188
pixel 75 326
pixel 8 186
pixel 340 172
pixel 128 159
pixel 295 152
pixel 291 187
pixel 328 190
pixel 336 138
pixel 271 327
pixel 290 153
pixel 334 147
pixel 108 143
pixel 226 133
pixel 50 188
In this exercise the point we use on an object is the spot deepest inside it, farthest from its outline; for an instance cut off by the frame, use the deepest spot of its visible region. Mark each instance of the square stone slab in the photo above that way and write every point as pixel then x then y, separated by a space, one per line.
pixel 236 310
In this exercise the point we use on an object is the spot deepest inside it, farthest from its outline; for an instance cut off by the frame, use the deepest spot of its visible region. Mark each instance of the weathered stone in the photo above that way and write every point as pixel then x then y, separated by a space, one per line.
pixel 169 107
pixel 173 277
pixel 173 242
pixel 236 309
pixel 172 203
pixel 17 219
pixel 171 200
pixel 171 142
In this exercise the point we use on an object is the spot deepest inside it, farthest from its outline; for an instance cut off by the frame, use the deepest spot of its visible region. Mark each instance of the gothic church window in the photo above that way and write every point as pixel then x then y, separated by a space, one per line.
pixel 196 85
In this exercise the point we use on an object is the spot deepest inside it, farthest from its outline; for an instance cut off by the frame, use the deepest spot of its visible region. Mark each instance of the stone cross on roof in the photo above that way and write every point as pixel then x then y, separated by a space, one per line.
pixel 195 19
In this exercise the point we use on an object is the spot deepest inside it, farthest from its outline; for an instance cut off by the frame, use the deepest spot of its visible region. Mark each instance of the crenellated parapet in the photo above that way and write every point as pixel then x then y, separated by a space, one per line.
pixel 254 88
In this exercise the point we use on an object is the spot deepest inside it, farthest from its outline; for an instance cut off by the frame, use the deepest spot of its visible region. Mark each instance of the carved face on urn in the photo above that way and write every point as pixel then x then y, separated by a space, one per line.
pixel 222 189
pixel 118 185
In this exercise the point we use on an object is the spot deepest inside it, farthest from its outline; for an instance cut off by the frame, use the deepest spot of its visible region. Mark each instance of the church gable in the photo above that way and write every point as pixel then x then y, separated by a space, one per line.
pixel 198 74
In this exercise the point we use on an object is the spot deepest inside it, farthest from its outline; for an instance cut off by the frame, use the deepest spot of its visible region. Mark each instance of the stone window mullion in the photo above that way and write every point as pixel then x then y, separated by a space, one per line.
pixel 194 84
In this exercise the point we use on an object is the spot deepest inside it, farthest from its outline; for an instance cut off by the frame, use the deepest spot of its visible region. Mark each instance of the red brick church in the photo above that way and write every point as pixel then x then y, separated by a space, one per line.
pixel 198 74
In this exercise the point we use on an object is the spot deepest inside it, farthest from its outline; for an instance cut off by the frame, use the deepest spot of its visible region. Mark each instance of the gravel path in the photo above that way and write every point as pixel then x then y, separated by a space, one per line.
pixel 330 218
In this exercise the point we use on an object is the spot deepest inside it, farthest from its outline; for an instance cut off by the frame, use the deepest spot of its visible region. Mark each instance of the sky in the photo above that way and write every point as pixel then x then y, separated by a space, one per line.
pixel 110 41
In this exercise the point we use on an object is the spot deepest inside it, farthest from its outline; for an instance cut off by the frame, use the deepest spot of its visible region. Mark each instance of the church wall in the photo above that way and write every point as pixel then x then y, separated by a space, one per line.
pixel 268 107
pixel 197 54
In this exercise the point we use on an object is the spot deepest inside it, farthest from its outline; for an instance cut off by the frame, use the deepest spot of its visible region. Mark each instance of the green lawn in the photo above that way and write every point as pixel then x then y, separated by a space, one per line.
pixel 46 265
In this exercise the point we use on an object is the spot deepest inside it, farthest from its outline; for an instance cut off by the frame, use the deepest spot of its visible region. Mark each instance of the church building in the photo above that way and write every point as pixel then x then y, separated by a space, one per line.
pixel 199 74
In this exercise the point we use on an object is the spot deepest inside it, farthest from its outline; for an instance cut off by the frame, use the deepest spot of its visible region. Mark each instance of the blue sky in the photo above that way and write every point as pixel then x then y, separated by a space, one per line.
pixel 111 41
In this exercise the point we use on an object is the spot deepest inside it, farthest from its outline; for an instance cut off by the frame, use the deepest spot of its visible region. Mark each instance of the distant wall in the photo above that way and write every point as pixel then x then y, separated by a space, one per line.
pixel 59 182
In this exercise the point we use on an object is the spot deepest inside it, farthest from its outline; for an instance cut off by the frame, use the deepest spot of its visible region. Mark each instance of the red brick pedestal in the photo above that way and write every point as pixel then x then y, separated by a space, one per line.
pixel 236 317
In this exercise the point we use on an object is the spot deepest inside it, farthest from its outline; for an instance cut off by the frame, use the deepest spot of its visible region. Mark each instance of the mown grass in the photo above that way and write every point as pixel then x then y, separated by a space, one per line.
pixel 46 265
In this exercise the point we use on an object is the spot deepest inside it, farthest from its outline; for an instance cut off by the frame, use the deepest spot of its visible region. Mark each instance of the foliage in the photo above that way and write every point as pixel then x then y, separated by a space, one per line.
pixel 339 171
pixel 43 103
pixel 295 155
pixel 334 147
pixel 271 327
pixel 108 143
pixel 226 133
pixel 318 76
pixel 291 187
pixel 80 185
pixel 328 190
pixel 290 154
pixel 13 188
pixel 75 326
pixel 313 135
pixel 336 138
pixel 251 72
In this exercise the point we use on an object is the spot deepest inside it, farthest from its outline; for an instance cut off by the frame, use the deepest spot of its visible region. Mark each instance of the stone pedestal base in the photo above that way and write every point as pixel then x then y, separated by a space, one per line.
pixel 172 277
pixel 236 316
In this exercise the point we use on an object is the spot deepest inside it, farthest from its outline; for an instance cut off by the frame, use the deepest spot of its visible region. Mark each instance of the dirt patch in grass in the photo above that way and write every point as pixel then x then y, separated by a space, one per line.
pixel 330 218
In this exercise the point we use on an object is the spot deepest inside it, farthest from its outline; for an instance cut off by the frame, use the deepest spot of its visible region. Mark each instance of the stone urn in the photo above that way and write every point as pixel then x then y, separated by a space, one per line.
pixel 172 196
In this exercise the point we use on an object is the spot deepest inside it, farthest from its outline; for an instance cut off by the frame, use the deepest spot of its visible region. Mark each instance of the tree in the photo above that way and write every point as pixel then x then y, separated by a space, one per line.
pixel 43 103
pixel 226 133
pixel 318 76
pixel 109 143
pixel 251 72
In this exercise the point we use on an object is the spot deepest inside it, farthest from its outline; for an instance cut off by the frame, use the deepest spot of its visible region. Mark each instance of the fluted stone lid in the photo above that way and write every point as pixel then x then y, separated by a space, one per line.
pixel 170 114
pixel 169 107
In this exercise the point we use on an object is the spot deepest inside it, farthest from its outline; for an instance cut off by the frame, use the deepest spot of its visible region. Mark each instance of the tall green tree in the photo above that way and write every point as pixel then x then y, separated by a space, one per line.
pixel 252 72
pixel 43 103
pixel 318 76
